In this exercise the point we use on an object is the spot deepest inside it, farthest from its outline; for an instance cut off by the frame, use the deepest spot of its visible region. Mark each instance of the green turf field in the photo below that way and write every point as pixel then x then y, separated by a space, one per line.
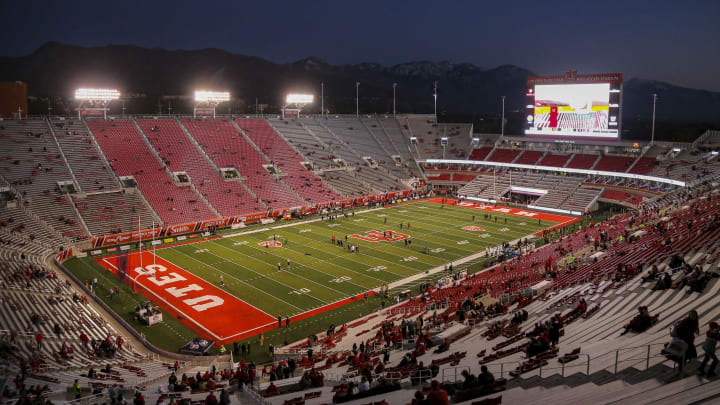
pixel 321 273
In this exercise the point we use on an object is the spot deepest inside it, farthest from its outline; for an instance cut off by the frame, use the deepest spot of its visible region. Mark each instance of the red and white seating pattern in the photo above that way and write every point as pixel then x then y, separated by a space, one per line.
pixel 129 155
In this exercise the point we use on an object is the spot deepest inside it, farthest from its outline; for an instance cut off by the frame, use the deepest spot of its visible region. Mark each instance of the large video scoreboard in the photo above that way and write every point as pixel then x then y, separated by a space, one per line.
pixel 575 106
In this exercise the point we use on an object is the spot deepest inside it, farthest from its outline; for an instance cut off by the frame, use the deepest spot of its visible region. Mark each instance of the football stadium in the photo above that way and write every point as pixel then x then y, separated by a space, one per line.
pixel 301 255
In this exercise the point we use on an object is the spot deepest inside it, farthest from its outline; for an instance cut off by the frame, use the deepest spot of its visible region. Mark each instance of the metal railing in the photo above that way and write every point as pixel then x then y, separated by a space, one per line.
pixel 613 367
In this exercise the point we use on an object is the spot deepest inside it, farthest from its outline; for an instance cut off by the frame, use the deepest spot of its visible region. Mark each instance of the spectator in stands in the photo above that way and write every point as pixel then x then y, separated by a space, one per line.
pixel 711 339
pixel 663 283
pixel 418 398
pixel 224 397
pixel 271 390
pixel 172 380
pixel 139 399
pixel 437 395
pixel 640 322
pixel 364 385
pixel 470 380
pixel 211 399
pixel 77 390
pixel 485 378
pixel 687 329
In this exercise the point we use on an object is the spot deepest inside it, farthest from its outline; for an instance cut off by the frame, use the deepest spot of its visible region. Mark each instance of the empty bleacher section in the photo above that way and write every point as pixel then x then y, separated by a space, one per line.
pixel 84 157
pixel 582 161
pixel 22 231
pixel 129 155
pixel 318 128
pixel 554 160
pixel 429 134
pixel 643 165
pixel 357 136
pixel 227 147
pixel 346 183
pixel 311 148
pixel 313 138
pixel 115 212
pixel 504 155
pixel 401 143
pixel 562 192
pixel 406 168
pixel 180 154
pixel 613 163
pixel 687 165
pixel 33 166
pixel 529 157
pixel 302 180
pixel 480 153
pixel 623 197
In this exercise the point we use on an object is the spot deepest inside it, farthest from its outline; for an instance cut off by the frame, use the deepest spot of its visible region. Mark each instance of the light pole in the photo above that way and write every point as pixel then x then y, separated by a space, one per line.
pixel 357 99
pixel 435 99
pixel 322 99
pixel 394 87
pixel 652 133
pixel 123 108
pixel 502 122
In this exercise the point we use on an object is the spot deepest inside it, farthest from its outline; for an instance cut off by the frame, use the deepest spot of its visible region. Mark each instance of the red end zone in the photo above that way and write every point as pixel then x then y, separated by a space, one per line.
pixel 207 310
pixel 562 220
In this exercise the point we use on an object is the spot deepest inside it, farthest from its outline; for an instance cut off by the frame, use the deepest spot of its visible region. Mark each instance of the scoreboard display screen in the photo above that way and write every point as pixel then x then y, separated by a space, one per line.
pixel 574 106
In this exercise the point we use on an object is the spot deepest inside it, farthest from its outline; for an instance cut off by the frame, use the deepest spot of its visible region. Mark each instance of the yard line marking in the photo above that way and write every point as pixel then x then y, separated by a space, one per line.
pixel 241 281
pixel 343 294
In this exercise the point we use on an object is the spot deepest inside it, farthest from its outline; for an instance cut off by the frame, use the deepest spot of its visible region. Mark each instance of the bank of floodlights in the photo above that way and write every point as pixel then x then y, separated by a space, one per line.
pixel 97 94
pixel 299 99
pixel 213 97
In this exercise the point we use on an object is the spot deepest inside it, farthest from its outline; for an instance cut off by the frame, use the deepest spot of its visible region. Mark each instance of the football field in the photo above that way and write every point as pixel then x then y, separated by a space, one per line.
pixel 231 287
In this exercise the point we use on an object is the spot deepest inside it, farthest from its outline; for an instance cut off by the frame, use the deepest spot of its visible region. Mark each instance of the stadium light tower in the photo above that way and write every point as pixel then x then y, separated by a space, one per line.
pixel 652 133
pixel 357 99
pixel 394 87
pixel 297 100
pixel 206 101
pixel 98 100
pixel 502 122
pixel 435 99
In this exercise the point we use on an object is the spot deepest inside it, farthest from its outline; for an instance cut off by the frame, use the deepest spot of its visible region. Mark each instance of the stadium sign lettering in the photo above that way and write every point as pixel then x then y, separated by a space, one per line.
pixel 199 304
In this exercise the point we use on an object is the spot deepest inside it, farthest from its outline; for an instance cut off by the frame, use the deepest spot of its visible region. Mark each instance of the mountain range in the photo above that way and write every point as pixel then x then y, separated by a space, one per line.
pixel 148 75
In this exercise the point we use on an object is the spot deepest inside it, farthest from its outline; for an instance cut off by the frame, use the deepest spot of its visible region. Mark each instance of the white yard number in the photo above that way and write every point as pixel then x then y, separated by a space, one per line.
pixel 244 242
pixel 305 230
pixel 377 268
pixel 504 229
pixel 359 219
pixel 333 225
pixel 300 291
pixel 341 279
pixel 463 242
pixel 522 223
pixel 409 259
pixel 437 250
pixel 485 235
pixel 202 251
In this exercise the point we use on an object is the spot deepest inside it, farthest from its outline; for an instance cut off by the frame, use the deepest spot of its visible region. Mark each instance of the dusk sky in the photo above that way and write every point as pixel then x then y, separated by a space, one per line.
pixel 677 42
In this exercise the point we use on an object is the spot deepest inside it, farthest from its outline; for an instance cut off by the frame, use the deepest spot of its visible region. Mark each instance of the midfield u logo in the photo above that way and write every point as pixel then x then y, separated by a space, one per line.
pixel 380 236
